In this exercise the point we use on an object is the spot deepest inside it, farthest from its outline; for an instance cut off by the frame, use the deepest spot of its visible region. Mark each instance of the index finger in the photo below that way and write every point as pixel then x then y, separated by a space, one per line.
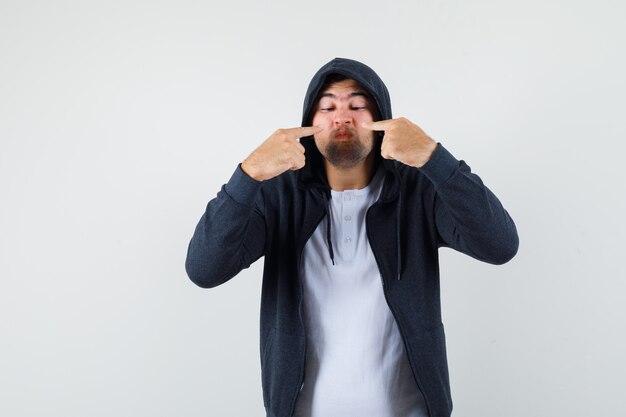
pixel 379 125
pixel 301 132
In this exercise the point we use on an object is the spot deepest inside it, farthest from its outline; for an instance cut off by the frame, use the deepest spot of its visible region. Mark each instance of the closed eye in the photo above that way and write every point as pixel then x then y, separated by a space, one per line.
pixel 327 109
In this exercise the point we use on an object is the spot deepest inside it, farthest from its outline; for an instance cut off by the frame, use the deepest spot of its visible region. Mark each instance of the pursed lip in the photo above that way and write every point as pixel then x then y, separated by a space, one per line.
pixel 343 133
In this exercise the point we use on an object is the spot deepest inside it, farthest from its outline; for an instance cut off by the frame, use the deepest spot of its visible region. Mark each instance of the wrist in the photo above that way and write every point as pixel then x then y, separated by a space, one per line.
pixel 428 154
pixel 249 171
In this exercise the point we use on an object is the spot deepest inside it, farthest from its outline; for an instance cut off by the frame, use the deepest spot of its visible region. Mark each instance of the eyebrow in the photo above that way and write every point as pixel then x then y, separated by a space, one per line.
pixel 357 93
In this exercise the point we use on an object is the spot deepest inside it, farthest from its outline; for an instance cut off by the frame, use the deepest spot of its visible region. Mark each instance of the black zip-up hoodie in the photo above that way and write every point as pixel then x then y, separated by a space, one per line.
pixel 440 204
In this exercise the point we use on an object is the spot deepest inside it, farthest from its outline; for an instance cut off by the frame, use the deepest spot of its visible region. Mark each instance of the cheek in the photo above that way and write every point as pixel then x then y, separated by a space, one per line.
pixel 365 133
pixel 321 139
pixel 365 117
pixel 319 120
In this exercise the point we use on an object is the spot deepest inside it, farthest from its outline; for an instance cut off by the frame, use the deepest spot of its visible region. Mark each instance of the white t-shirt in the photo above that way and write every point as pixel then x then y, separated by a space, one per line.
pixel 356 364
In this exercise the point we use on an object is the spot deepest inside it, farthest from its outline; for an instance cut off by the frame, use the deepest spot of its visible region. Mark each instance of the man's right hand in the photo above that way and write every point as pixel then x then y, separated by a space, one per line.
pixel 280 152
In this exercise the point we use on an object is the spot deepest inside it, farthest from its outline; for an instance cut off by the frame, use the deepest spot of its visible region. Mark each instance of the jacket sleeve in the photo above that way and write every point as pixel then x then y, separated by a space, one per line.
pixel 468 216
pixel 230 235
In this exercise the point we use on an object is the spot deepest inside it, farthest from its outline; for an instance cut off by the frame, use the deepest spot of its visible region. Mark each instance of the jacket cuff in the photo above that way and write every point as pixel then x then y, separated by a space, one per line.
pixel 441 166
pixel 242 188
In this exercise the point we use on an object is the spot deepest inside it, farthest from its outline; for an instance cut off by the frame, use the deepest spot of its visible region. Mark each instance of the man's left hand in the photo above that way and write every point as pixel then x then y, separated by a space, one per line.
pixel 404 141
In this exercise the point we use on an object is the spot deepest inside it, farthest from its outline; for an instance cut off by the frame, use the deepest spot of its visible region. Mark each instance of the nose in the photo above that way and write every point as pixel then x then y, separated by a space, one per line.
pixel 343 117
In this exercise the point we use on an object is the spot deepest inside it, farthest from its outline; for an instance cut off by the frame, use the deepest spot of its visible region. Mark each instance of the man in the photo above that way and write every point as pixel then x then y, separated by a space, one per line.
pixel 349 211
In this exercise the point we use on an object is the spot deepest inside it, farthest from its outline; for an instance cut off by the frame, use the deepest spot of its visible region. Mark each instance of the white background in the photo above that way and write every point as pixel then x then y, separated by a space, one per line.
pixel 119 120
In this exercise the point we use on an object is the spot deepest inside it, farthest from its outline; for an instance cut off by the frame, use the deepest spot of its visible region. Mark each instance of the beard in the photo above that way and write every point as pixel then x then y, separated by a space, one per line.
pixel 345 152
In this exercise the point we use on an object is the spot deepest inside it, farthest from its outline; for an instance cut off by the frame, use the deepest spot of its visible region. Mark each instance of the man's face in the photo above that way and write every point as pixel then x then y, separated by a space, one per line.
pixel 342 108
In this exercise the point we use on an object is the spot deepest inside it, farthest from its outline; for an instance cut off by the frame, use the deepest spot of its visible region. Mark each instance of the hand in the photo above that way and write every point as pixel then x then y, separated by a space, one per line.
pixel 280 152
pixel 404 141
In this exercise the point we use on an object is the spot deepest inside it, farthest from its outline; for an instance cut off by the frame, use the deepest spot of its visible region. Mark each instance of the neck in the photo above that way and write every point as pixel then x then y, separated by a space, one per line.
pixel 352 178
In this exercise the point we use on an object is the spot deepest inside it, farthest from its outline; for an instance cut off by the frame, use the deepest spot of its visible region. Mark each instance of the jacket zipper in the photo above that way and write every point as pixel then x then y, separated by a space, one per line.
pixel 301 250
pixel 393 313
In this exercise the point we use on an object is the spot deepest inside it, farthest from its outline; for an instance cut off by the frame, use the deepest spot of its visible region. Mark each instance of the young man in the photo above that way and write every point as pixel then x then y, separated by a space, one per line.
pixel 350 218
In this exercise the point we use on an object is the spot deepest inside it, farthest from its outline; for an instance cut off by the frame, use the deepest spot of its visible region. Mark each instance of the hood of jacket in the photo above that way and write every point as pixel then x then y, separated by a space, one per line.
pixel 313 173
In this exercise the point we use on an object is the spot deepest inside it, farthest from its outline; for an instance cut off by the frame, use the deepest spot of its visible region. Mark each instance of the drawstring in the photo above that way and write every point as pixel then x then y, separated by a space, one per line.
pixel 398 236
pixel 398 243
pixel 328 240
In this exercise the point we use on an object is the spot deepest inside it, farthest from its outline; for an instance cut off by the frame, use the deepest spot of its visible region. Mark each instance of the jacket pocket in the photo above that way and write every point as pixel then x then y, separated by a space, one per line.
pixel 282 361
pixel 428 355
pixel 266 350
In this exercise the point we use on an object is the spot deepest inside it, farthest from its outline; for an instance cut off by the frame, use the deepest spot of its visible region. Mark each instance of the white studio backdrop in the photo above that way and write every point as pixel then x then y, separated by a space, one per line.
pixel 120 120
